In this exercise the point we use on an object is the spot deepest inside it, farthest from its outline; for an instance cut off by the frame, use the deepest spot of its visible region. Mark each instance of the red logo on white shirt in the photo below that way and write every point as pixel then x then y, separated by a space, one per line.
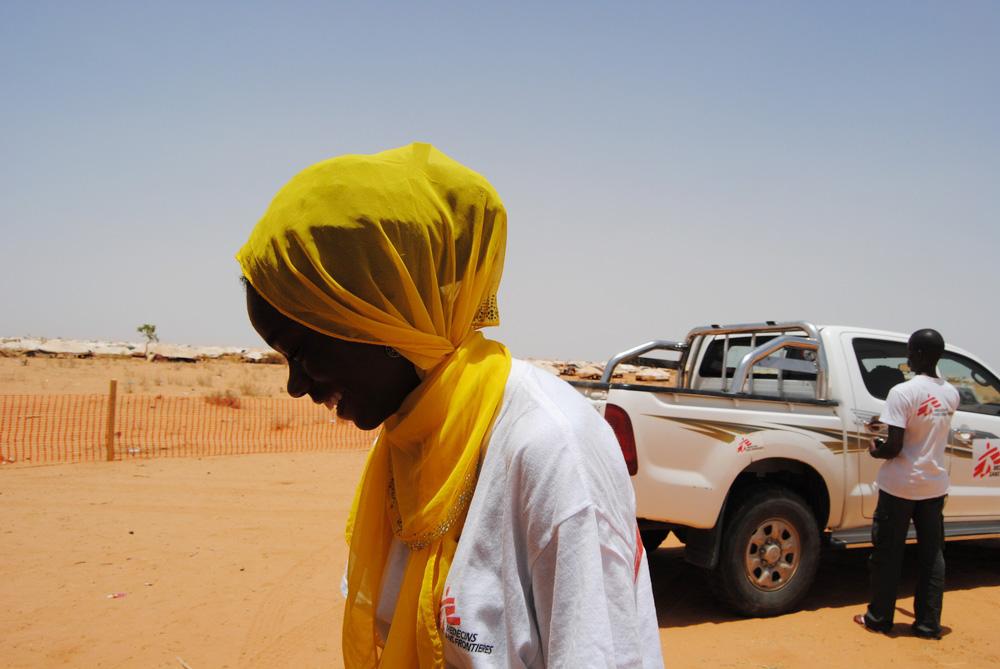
pixel 449 622
pixel 638 555
pixel 987 462
pixel 928 406
pixel 448 609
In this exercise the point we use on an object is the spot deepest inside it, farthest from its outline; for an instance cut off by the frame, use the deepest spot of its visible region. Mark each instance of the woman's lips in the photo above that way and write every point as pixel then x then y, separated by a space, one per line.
pixel 335 402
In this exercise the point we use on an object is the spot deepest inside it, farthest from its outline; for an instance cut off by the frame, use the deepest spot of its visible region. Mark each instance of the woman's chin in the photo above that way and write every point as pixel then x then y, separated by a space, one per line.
pixel 361 419
pixel 365 422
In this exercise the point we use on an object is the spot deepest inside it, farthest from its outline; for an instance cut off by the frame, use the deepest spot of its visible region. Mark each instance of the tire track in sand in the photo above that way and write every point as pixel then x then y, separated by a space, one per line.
pixel 270 640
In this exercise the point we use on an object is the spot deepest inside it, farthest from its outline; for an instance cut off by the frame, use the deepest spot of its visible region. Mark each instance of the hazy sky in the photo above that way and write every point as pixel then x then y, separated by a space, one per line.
pixel 663 165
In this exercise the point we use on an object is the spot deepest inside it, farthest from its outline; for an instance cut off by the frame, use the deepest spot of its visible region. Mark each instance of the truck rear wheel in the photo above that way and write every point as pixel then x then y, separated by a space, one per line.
pixel 769 554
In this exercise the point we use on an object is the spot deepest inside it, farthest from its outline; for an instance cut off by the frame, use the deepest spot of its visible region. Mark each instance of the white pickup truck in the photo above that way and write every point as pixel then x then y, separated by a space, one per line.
pixel 758 451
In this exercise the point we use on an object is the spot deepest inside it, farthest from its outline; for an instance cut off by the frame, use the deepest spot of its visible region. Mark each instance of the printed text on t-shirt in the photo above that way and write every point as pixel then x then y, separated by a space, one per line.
pixel 450 621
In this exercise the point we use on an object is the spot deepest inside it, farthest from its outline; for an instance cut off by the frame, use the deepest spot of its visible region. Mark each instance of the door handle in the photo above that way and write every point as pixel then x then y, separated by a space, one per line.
pixel 962 437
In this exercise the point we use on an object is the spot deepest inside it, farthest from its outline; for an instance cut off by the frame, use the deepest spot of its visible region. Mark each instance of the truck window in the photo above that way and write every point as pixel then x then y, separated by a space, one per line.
pixel 978 389
pixel 792 385
pixel 711 362
pixel 882 364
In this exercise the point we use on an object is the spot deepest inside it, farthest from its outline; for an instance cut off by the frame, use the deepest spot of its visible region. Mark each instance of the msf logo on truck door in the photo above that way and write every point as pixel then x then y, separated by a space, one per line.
pixel 987 458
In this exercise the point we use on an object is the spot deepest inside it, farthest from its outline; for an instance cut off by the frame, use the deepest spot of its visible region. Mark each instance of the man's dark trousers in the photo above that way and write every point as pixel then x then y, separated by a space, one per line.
pixel 889 528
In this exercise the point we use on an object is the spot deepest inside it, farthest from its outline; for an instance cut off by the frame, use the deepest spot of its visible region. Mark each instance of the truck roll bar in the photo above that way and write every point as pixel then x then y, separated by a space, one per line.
pixel 743 328
pixel 656 344
pixel 753 357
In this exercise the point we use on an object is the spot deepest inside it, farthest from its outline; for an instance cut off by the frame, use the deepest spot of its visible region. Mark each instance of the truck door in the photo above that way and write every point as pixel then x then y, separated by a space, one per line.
pixel 877 364
pixel 975 441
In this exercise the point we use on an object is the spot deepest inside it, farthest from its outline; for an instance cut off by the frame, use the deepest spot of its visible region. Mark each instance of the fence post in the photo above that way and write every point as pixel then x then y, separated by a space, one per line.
pixel 109 437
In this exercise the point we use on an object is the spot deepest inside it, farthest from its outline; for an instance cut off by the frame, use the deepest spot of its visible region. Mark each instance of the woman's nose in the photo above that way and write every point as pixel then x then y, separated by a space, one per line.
pixel 298 381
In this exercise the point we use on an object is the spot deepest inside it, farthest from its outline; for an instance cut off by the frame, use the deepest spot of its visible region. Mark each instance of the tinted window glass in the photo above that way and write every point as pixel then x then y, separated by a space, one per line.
pixel 882 363
pixel 978 390
pixel 711 363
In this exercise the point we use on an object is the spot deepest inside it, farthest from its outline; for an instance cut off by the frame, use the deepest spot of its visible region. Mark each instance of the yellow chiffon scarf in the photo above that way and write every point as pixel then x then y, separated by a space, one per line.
pixel 402 248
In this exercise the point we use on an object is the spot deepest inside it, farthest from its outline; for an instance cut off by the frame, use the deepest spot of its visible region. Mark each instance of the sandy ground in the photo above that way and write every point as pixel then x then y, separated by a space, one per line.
pixel 235 562
pixel 21 375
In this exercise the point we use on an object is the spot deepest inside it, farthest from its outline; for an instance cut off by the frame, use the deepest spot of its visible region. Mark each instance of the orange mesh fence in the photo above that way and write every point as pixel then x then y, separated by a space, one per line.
pixel 38 429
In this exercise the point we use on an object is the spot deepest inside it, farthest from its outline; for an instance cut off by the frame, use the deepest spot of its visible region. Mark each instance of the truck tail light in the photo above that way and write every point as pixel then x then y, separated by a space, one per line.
pixel 622 426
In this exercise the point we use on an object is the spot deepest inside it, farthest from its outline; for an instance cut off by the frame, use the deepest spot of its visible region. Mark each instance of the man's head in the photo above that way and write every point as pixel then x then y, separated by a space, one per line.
pixel 924 349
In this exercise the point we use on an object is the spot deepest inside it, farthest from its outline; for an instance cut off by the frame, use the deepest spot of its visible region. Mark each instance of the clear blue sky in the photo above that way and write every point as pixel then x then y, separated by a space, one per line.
pixel 663 165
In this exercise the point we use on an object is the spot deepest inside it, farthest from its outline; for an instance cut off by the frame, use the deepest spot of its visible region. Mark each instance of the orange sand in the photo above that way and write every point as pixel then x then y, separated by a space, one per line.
pixel 236 562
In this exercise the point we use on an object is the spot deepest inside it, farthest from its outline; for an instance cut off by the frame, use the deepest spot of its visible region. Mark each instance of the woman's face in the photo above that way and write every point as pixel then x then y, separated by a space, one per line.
pixel 364 383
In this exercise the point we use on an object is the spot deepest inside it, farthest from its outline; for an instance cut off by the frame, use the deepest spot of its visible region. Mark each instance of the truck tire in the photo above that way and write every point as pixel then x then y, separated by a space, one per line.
pixel 651 539
pixel 769 554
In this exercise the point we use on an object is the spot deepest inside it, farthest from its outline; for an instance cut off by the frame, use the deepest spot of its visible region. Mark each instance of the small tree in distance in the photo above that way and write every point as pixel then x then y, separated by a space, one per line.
pixel 148 330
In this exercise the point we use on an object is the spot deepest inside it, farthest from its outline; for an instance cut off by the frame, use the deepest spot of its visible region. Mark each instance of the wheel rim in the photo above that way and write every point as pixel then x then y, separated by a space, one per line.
pixel 772 555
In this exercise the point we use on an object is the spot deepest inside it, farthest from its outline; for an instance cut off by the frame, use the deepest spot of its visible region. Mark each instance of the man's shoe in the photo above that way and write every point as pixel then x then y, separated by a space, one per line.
pixel 860 620
pixel 925 633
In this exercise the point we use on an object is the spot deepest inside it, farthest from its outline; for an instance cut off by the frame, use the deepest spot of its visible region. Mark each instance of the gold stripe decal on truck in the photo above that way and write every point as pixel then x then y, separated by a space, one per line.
pixel 727 432
pixel 716 429
pixel 834 438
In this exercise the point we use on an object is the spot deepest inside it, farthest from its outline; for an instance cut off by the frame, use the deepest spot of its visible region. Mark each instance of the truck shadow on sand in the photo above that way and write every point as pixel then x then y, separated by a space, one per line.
pixel 683 597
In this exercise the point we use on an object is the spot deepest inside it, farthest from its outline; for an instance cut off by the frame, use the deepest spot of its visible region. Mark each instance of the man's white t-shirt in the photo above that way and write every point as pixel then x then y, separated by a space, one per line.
pixel 549 569
pixel 923 407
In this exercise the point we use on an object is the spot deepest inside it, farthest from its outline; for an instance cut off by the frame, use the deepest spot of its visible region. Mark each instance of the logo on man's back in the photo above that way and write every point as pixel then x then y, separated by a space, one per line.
pixel 928 406
pixel 932 407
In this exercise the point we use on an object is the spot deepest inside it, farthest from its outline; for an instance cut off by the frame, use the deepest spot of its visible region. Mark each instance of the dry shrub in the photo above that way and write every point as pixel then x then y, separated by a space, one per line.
pixel 250 389
pixel 226 399
pixel 272 358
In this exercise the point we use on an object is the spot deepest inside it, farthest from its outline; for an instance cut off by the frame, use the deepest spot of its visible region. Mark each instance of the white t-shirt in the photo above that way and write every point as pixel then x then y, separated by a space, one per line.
pixel 923 407
pixel 549 569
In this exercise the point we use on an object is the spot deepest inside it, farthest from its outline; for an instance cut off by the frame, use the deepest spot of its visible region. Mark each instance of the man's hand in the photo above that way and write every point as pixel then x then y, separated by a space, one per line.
pixel 887 449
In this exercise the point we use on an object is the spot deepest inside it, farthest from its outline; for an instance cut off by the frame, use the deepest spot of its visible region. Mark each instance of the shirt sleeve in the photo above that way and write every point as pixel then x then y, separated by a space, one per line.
pixel 897 409
pixel 587 606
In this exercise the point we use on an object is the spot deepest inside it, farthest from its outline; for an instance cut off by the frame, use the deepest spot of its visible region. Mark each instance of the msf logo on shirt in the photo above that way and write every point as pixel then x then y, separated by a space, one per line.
pixel 448 610
pixel 929 406
pixel 449 620
pixel 988 464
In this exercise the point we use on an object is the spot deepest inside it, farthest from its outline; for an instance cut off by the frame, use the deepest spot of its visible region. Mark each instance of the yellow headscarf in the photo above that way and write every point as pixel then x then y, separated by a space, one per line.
pixel 403 248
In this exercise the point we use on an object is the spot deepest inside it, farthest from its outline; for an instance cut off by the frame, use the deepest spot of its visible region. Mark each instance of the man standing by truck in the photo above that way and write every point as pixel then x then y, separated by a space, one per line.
pixel 912 484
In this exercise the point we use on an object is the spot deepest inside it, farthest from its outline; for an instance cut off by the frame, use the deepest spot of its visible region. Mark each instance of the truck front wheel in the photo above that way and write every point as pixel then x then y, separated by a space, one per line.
pixel 769 554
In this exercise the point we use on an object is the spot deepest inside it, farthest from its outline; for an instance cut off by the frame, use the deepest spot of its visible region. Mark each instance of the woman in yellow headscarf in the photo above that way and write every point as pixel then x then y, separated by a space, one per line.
pixel 372 275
